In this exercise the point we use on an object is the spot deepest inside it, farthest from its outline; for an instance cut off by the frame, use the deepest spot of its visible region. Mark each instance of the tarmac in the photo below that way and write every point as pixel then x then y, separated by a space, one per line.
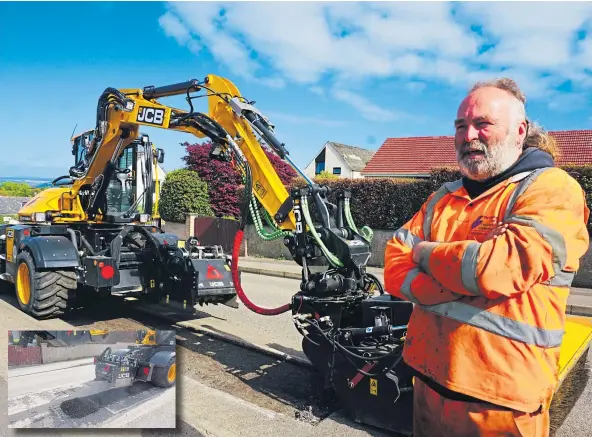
pixel 579 302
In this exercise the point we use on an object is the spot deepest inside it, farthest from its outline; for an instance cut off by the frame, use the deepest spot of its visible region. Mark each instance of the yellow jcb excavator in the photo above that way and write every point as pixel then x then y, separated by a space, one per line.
pixel 353 337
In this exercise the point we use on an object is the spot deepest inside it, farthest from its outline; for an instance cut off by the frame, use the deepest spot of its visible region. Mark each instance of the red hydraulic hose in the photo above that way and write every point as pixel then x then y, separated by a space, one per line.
pixel 238 238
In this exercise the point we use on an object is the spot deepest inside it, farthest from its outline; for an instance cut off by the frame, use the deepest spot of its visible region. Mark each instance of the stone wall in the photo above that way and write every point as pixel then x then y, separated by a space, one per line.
pixel 65 353
pixel 179 229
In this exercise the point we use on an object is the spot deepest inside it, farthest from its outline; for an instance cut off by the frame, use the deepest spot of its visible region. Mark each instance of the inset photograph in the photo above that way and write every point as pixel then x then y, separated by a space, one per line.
pixel 92 379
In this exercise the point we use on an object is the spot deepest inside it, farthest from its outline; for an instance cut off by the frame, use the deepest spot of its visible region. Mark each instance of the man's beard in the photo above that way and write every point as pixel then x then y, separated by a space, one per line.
pixel 492 160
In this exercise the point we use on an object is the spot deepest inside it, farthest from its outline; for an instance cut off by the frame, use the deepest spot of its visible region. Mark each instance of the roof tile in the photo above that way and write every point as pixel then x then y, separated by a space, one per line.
pixel 420 155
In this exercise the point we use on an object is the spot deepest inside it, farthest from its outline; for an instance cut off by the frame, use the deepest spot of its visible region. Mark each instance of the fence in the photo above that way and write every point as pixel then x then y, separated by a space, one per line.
pixel 212 231
pixel 24 356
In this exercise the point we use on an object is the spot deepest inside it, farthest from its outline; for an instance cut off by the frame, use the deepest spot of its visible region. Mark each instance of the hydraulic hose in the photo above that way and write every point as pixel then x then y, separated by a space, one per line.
pixel 238 238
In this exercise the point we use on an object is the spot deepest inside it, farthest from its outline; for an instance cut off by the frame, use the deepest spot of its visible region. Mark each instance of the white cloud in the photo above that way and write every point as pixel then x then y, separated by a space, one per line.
pixel 348 44
pixel 297 119
pixel 416 86
pixel 173 27
pixel 368 109
pixel 317 90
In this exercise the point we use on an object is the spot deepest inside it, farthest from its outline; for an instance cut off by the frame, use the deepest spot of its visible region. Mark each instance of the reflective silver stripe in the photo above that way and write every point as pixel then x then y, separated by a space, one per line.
pixel 561 279
pixel 521 188
pixel 468 268
pixel 551 236
pixel 407 237
pixel 497 324
pixel 406 287
pixel 448 187
pixel 424 259
pixel 554 238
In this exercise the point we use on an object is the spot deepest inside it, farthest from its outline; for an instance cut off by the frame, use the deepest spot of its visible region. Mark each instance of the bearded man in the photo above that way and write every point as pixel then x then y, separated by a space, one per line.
pixel 488 262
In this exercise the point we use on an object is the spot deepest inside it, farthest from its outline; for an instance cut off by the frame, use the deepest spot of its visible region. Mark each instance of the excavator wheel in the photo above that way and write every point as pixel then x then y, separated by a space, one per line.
pixel 44 294
pixel 165 376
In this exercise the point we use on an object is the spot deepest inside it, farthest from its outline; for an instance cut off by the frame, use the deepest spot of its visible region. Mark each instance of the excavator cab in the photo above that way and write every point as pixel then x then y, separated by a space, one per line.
pixel 82 151
pixel 133 186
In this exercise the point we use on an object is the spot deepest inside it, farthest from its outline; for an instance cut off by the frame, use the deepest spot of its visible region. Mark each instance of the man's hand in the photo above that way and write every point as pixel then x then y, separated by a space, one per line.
pixel 497 231
pixel 420 249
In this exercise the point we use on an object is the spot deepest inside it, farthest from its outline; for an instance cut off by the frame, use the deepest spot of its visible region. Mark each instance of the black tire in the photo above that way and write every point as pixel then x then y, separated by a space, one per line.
pixel 50 291
pixel 160 375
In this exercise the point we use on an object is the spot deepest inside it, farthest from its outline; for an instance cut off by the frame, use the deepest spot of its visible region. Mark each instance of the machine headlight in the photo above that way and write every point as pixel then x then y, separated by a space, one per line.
pixel 144 218
pixel 38 217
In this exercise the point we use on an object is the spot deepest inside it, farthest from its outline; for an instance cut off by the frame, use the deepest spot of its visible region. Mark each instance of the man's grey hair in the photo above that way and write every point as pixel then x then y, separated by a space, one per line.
pixel 511 87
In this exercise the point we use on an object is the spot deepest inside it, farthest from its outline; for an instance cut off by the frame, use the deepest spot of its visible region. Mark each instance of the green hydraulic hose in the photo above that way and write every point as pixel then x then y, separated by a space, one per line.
pixel 336 262
pixel 366 232
pixel 261 232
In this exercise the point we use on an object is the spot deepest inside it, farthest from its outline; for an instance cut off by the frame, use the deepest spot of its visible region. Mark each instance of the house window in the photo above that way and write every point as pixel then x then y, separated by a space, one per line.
pixel 320 167
pixel 336 170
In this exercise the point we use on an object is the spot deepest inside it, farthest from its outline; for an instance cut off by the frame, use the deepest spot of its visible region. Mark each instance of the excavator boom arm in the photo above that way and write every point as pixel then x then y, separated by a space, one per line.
pixel 231 119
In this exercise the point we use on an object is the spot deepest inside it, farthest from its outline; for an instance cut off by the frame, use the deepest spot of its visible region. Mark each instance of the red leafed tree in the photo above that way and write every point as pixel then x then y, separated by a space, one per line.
pixel 223 180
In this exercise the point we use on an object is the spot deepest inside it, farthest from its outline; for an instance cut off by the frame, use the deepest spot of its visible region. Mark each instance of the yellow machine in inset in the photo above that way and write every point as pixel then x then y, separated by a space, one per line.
pixel 69 237
pixel 146 336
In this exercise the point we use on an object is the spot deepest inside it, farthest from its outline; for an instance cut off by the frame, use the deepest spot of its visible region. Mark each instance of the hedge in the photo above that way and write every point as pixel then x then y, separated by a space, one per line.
pixel 388 203
pixel 183 192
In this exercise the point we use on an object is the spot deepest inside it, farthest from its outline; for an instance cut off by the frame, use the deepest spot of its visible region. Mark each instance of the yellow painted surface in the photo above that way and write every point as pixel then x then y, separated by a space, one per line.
pixel 578 335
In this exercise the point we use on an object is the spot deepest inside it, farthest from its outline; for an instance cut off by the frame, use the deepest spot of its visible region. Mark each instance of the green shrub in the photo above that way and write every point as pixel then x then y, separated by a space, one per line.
pixel 183 192
pixel 388 203
pixel 380 203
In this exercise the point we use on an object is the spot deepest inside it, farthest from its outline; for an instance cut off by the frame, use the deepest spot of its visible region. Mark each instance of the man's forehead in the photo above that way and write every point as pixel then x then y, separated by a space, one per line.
pixel 483 103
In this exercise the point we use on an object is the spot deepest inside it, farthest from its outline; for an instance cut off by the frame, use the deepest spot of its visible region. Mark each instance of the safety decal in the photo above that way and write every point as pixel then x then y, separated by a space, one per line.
pixel 212 273
pixel 373 386
pixel 483 225
pixel 260 189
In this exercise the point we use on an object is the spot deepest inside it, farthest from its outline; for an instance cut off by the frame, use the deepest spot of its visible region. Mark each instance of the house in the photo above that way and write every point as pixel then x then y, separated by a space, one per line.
pixel 339 159
pixel 417 156
pixel 11 205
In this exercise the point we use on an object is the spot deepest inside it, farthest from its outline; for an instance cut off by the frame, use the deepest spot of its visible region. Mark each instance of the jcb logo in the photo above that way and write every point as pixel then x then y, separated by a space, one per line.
pixel 298 216
pixel 151 115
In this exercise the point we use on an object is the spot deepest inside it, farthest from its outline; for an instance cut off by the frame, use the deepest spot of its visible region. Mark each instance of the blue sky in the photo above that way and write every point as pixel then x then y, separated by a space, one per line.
pixel 354 73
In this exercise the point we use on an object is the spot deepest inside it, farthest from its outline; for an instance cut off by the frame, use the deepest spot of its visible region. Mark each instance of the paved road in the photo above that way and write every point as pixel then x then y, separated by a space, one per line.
pixel 66 396
pixel 224 387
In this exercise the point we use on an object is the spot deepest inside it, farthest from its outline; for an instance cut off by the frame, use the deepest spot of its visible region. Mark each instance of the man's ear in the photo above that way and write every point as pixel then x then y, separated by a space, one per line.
pixel 523 131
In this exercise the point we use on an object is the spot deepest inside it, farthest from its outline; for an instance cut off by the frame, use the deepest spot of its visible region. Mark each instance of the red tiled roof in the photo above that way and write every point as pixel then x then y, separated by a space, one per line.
pixel 418 155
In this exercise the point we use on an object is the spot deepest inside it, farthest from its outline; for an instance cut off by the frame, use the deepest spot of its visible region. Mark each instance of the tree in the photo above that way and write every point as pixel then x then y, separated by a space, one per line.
pixel 183 192
pixel 16 189
pixel 284 170
pixel 224 182
pixel 326 175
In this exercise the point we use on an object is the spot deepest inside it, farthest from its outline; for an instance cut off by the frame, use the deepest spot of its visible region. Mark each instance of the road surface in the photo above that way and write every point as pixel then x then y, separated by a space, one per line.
pixel 225 390
pixel 65 395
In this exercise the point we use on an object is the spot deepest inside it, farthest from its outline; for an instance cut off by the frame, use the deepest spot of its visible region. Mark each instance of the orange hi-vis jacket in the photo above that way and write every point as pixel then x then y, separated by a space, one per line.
pixel 489 315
